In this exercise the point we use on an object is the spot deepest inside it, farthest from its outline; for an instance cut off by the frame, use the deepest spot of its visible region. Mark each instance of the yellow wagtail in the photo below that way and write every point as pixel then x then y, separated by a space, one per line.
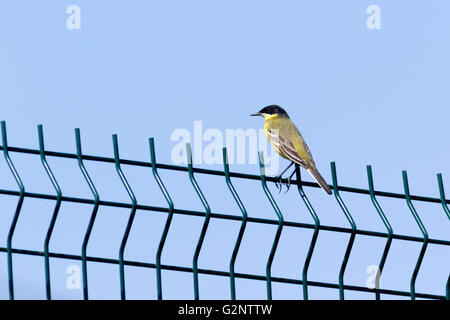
pixel 288 142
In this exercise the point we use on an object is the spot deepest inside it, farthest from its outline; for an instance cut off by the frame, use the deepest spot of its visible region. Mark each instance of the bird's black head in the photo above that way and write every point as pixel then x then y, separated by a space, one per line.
pixel 271 110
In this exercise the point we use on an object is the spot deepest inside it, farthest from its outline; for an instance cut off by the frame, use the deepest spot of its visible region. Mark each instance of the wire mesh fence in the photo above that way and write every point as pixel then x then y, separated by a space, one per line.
pixel 96 202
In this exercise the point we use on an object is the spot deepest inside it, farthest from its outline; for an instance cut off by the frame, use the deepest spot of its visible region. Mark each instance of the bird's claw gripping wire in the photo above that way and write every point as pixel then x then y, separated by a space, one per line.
pixel 279 178
pixel 279 182
pixel 288 183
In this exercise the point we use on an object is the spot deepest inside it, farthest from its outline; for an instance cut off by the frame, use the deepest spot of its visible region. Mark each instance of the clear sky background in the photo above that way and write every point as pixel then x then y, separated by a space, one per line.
pixel 145 68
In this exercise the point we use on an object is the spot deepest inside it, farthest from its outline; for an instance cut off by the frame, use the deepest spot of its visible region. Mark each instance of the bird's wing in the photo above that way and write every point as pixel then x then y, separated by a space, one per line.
pixel 308 152
pixel 287 148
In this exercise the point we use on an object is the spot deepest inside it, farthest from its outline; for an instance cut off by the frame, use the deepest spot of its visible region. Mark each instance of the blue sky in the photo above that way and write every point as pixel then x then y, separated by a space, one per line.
pixel 145 68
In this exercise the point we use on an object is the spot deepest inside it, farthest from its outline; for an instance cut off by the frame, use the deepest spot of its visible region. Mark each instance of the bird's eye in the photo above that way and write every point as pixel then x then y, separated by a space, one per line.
pixel 270 130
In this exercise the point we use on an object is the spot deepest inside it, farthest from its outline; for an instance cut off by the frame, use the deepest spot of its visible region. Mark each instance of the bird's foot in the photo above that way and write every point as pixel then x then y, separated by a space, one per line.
pixel 288 184
pixel 278 183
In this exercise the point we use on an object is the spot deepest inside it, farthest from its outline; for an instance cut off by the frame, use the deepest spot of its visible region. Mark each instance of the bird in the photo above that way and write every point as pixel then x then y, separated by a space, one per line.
pixel 286 139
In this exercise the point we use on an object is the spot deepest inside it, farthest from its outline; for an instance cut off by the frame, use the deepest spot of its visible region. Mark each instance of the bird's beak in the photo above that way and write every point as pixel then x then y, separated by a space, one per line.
pixel 257 114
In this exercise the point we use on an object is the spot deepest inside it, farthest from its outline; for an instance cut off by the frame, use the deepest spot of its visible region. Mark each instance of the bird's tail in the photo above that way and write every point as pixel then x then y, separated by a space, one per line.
pixel 321 181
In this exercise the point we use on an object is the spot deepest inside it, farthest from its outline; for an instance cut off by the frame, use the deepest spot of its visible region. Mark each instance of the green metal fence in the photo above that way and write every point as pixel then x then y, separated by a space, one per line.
pixel 352 230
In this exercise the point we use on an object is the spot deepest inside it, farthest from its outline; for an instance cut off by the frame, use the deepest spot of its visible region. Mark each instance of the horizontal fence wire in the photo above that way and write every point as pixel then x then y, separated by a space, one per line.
pixel 207 214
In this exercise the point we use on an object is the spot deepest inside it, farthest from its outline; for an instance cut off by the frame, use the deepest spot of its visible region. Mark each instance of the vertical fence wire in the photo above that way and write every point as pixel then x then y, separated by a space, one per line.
pixel 447 212
pixel 442 195
pixel 55 211
pixel 130 219
pixel 279 227
pixel 168 220
pixel 447 289
pixel 242 227
pixel 424 233
pixel 90 226
pixel 352 235
pixel 205 222
pixel 314 236
pixel 15 218
pixel 388 229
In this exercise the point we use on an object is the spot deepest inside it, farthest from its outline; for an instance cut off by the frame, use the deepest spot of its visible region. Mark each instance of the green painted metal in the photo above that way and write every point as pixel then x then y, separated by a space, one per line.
pixel 352 235
pixel 447 212
pixel 447 289
pixel 169 210
pixel 388 228
pixel 205 223
pixel 130 219
pixel 55 211
pixel 320 284
pixel 424 233
pixel 243 223
pixel 225 216
pixel 314 236
pixel 279 228
pixel 442 195
pixel 220 173
pixel 15 218
pixel 93 213
pixel 168 220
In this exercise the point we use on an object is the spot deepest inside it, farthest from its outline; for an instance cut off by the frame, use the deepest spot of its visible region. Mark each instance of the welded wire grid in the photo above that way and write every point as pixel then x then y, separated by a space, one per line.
pixel 96 201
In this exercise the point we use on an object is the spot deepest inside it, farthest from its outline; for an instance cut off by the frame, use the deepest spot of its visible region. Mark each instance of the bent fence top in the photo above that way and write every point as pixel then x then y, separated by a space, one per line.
pixel 96 201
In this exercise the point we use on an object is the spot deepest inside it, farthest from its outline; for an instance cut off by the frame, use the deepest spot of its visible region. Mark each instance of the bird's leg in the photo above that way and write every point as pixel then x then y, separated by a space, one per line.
pixel 279 177
pixel 288 183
